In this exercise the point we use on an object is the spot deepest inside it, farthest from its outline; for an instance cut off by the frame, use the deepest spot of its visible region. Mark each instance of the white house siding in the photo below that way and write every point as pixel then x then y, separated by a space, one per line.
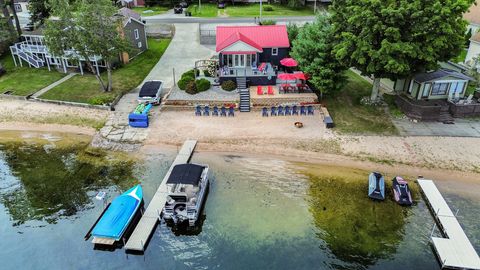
pixel 473 52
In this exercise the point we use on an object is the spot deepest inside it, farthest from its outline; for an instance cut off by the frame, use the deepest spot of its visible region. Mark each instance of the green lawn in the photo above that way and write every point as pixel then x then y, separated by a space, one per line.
pixel 247 10
pixel 461 57
pixel 23 81
pixel 86 88
pixel 156 10
pixel 352 117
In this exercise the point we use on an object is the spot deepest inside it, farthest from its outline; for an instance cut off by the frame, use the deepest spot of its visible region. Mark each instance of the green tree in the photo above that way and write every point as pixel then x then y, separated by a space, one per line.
pixel 88 28
pixel 396 38
pixel 292 30
pixel 39 10
pixel 6 38
pixel 313 50
pixel 468 36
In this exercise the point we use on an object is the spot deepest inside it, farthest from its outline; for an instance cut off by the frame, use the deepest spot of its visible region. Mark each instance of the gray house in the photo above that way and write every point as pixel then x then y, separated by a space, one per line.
pixel 134 31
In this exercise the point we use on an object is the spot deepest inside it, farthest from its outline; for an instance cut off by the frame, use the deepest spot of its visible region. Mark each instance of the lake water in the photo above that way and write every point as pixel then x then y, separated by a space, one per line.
pixel 260 214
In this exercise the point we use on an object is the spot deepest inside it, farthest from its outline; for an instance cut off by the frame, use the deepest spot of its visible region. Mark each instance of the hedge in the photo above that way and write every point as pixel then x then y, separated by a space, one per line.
pixel 229 85
pixel 202 85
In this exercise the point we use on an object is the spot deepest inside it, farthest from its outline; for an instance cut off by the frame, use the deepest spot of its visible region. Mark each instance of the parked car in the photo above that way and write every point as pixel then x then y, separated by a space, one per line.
pixel 183 4
pixel 178 9
pixel 151 92
pixel 221 5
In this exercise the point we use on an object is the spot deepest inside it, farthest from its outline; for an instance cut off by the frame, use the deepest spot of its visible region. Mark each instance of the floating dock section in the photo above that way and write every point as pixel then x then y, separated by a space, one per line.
pixel 455 251
pixel 151 216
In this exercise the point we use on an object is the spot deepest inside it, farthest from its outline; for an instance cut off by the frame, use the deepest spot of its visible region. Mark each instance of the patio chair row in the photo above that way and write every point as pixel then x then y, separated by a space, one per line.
pixel 223 111
pixel 287 110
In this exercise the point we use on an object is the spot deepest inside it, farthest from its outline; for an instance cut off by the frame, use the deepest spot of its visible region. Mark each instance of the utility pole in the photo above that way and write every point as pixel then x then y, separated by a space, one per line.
pixel 260 18
pixel 199 4
pixel 315 7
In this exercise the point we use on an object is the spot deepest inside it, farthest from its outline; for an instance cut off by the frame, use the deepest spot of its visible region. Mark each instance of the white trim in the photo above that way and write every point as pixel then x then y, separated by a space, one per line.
pixel 231 47
pixel 136 34
pixel 133 19
pixel 276 49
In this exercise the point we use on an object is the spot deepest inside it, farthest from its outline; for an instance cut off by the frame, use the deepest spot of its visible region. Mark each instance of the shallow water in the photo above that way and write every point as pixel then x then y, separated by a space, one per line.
pixel 260 214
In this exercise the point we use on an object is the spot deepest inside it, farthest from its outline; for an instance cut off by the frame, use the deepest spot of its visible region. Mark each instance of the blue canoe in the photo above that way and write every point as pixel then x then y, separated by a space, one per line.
pixel 376 186
pixel 119 214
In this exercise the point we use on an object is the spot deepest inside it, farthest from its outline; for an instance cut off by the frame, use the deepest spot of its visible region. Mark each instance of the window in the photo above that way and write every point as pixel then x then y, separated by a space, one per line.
pixel 139 44
pixel 456 87
pixel 439 89
pixel 274 51
pixel 18 8
pixel 137 36
pixel 426 90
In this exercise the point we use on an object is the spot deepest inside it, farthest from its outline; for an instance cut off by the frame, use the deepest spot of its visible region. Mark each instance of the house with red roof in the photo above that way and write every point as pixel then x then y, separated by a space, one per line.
pixel 251 53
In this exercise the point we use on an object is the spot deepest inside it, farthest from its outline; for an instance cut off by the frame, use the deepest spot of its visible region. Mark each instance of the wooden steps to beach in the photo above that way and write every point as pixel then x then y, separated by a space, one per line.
pixel 139 238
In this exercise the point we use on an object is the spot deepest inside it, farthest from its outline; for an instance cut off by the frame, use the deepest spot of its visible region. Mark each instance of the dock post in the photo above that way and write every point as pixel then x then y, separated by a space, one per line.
pixel 433 229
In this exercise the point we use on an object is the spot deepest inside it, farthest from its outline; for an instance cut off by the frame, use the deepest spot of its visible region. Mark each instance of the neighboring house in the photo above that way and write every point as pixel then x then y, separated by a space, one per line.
pixel 474 51
pixel 132 3
pixel 436 96
pixel 252 53
pixel 33 52
pixel 23 14
pixel 134 31
pixel 439 84
pixel 473 17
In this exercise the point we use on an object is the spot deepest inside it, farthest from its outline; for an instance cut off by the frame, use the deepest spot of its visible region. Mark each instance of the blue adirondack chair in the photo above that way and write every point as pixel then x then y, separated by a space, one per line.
pixel 280 110
pixel 295 110
pixel 303 110
pixel 206 111
pixel 198 111
pixel 310 110
pixel 223 111
pixel 273 111
pixel 215 111
pixel 287 110
pixel 264 112
pixel 231 111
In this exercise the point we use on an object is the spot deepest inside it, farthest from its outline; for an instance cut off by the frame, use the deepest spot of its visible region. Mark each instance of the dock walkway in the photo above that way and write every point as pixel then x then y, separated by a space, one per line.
pixel 454 251
pixel 147 223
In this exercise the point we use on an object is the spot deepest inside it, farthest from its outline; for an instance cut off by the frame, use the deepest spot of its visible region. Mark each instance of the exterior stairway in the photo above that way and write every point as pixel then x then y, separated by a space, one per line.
pixel 30 58
pixel 445 116
pixel 244 94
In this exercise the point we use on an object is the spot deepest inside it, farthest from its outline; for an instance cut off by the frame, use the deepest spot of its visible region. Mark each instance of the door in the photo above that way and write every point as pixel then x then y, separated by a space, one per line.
pixel 239 60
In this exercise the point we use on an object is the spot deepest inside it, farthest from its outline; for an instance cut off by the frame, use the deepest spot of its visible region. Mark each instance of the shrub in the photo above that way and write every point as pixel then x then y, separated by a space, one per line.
pixel 191 88
pixel 202 85
pixel 267 8
pixel 207 73
pixel 101 100
pixel 191 73
pixel 229 85
pixel 182 83
pixel 268 22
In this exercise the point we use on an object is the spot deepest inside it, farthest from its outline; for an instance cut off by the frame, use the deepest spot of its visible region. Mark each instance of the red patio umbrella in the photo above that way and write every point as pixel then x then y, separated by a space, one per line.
pixel 289 62
pixel 300 76
pixel 287 76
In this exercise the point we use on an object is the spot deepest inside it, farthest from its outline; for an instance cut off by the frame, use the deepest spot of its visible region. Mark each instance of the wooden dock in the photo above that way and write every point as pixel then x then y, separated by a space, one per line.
pixel 455 250
pixel 151 216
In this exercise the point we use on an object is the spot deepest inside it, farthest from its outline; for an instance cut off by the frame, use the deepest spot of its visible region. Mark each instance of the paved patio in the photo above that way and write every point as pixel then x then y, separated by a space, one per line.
pixel 461 128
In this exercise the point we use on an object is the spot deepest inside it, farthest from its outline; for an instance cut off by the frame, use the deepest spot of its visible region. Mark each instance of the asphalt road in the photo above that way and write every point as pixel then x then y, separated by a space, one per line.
pixel 183 19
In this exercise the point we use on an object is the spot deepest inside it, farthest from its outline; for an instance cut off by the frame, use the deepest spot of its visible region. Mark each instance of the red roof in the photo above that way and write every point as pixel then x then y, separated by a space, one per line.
pixel 266 36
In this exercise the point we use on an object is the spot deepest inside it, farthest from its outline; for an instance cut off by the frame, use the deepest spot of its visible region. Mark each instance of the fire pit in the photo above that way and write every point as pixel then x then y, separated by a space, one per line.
pixel 299 124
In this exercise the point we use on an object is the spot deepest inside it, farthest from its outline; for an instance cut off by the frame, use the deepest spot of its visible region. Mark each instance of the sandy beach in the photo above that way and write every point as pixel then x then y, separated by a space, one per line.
pixel 254 134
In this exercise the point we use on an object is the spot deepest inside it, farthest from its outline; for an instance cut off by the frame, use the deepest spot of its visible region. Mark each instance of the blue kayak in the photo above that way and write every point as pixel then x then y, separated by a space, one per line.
pixel 119 214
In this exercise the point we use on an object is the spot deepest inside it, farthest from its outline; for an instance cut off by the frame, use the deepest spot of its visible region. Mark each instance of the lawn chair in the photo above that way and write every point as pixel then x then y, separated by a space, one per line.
pixel 310 110
pixel 259 90
pixel 264 112
pixel 273 111
pixel 280 110
pixel 287 110
pixel 270 90
pixel 231 111
pixel 206 111
pixel 303 110
pixel 295 110
pixel 198 110
pixel 215 111
pixel 223 111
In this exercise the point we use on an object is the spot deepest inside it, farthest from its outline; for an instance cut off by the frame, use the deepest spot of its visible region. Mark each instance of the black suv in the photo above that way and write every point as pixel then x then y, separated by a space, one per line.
pixel 177 9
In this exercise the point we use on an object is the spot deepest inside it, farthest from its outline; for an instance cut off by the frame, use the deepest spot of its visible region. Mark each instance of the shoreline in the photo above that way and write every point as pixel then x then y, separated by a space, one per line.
pixel 38 127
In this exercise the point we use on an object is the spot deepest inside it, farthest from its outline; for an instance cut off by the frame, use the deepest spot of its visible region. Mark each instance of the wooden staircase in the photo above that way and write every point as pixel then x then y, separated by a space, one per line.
pixel 445 116
pixel 244 94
